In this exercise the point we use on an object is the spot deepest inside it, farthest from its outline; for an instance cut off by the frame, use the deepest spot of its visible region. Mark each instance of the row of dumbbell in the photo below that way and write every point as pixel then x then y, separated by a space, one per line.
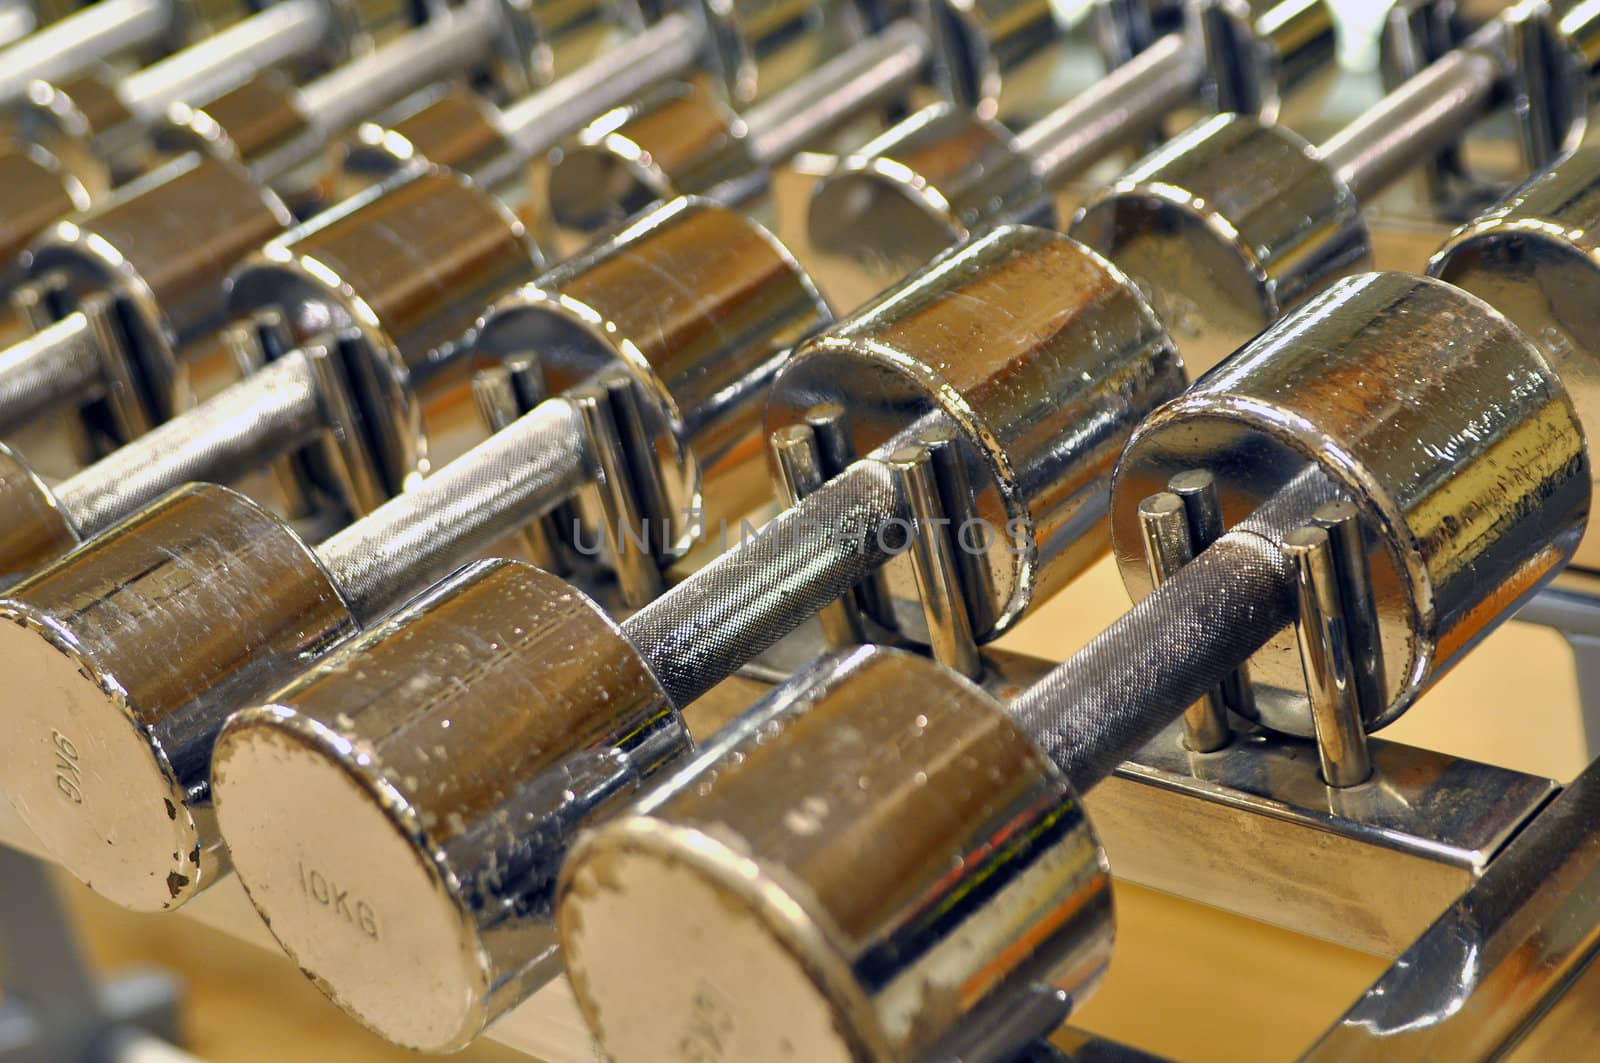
pixel 415 789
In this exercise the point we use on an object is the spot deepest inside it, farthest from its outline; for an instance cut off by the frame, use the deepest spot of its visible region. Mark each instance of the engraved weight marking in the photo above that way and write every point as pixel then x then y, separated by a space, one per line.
pixel 69 776
pixel 705 1040
pixel 326 894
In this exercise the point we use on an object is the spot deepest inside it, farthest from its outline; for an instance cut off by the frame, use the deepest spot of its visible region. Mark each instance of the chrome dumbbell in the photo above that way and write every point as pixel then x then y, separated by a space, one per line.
pixel 356 401
pixel 1532 257
pixel 1233 221
pixel 73 362
pixel 79 40
pixel 679 140
pixel 122 297
pixel 947 172
pixel 1527 257
pixel 1035 359
pixel 909 855
pixel 748 64
pixel 290 602
pixel 1548 91
pixel 78 138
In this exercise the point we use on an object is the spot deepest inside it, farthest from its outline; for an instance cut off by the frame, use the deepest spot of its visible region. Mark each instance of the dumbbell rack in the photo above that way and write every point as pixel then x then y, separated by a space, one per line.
pixel 1254 832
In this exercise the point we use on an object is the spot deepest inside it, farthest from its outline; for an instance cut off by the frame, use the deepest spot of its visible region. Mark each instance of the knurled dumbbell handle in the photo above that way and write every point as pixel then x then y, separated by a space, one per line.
pixel 59 364
pixel 1115 112
pixel 536 123
pixel 873 71
pixel 202 71
pixel 469 504
pixel 272 412
pixel 63 48
pixel 1421 117
pixel 1093 711
pixel 707 627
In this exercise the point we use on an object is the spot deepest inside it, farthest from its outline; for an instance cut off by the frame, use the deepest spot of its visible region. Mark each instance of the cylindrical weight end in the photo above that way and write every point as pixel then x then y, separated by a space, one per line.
pixel 1371 383
pixel 868 860
pixel 398 812
pixel 1226 226
pixel 1535 258
pixel 697 304
pixel 35 530
pixel 127 655
pixel 677 139
pixel 933 179
pixel 1038 357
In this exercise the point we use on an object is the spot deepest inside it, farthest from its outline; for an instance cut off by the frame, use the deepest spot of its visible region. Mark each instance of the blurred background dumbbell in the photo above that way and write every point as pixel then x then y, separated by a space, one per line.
pixel 678 140
pixel 126 296
pixel 102 31
pixel 783 850
pixel 128 379
pixel 1225 225
pixel 570 711
pixel 149 721
pixel 75 139
pixel 947 172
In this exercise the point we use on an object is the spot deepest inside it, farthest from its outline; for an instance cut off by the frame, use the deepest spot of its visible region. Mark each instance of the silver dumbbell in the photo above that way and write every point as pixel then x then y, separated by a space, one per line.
pixel 1034 358
pixel 494 145
pixel 356 402
pixel 83 38
pixel 691 349
pixel 922 845
pixel 1233 221
pixel 120 299
pixel 687 152
pixel 947 172
pixel 680 140
pixel 1531 256
pixel 92 131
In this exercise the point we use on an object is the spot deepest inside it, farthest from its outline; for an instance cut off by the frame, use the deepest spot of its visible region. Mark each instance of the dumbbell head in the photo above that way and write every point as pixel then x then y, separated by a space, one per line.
pixel 676 139
pixel 912 192
pixel 108 737
pixel 380 811
pixel 160 247
pixel 243 124
pixel 700 350
pixel 1534 257
pixel 865 865
pixel 406 266
pixel 759 46
pixel 752 314
pixel 35 529
pixel 1467 505
pixel 996 57
pixel 1226 226
pixel 61 119
pixel 451 126
pixel 1040 357
pixel 43 188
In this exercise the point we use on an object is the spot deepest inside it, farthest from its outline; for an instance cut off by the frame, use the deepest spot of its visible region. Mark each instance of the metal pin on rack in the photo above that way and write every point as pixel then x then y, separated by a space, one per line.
pixel 944 605
pixel 1197 488
pixel 798 457
pixel 612 494
pixel 827 421
pixel 504 392
pixel 1325 655
pixel 1164 525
